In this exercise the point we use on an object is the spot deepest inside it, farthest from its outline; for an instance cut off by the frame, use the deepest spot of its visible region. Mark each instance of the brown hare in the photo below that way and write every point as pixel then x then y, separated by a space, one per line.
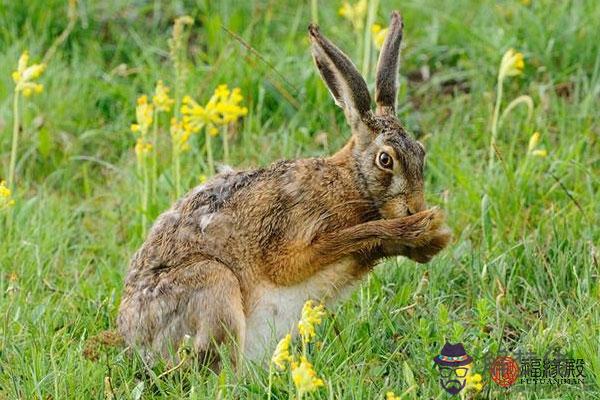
pixel 236 258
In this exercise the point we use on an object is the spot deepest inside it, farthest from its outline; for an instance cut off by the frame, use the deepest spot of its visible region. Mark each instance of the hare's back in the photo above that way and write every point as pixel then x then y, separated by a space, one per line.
pixel 208 217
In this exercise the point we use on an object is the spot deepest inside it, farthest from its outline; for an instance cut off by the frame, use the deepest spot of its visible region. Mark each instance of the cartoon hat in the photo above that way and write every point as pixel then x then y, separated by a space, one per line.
pixel 453 355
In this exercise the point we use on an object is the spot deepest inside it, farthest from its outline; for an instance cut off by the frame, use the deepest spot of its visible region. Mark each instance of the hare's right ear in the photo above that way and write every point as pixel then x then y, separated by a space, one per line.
pixel 345 83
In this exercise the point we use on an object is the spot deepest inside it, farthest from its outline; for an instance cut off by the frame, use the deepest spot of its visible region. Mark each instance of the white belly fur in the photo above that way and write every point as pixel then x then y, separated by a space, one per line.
pixel 276 310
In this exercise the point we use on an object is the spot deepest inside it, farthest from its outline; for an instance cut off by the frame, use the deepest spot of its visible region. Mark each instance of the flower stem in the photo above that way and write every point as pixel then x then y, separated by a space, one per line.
pixel 145 196
pixel 209 155
pixel 495 117
pixel 140 179
pixel 176 167
pixel 270 381
pixel 372 12
pixel 15 143
pixel 154 179
pixel 314 11
pixel 224 133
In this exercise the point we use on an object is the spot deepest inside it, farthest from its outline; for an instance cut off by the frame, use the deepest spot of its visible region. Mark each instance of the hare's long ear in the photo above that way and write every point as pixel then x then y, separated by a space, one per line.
pixel 386 84
pixel 345 83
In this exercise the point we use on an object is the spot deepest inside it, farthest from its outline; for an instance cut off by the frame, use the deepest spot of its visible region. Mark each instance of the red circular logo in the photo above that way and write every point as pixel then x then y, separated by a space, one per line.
pixel 504 371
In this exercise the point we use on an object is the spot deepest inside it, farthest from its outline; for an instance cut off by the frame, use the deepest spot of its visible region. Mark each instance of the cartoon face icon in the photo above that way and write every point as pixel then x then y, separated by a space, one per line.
pixel 453 364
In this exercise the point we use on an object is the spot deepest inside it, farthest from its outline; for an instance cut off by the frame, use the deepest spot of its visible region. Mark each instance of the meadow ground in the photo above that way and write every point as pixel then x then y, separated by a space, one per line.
pixel 522 271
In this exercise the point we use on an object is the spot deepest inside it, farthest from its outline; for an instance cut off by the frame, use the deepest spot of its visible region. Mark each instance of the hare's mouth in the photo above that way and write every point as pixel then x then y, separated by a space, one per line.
pixel 395 208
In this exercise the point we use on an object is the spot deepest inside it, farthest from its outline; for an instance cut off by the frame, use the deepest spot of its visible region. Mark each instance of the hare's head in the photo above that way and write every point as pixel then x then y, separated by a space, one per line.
pixel 389 162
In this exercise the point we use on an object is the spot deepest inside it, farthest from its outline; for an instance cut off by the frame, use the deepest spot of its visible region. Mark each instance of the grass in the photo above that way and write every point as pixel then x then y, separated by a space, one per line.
pixel 522 271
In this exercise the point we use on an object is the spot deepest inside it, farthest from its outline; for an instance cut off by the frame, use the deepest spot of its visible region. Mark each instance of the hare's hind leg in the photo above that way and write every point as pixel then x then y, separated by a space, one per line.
pixel 202 300
pixel 215 311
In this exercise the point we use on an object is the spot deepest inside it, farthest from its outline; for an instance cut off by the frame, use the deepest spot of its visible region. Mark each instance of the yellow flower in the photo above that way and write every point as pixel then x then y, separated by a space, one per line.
pixel 304 377
pixel 202 178
pixel 391 396
pixel 6 200
pixel 222 109
pixel 379 35
pixel 161 99
pixel 473 381
pixel 532 147
pixel 194 115
pixel 355 13
pixel 512 64
pixel 25 75
pixel 282 352
pixel 142 147
pixel 311 316
pixel 144 114
pixel 180 135
pixel 228 106
pixel 533 141
pixel 213 130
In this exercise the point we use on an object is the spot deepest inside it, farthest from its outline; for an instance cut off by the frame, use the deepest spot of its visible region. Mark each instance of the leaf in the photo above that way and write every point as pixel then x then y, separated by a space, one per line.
pixel 443 315
pixel 457 332
pixel 409 378
pixel 136 393
pixel 45 143
pixel 486 221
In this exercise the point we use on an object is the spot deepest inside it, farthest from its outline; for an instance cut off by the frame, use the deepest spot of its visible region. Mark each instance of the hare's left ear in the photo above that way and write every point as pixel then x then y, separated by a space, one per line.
pixel 345 83
pixel 386 84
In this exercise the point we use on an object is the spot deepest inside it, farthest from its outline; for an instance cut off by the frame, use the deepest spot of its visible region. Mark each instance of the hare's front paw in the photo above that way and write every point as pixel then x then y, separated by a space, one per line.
pixel 433 237
pixel 420 236
pixel 439 239
pixel 420 228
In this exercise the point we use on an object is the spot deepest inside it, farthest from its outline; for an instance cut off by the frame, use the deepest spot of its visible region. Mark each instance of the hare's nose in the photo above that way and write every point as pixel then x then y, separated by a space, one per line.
pixel 415 204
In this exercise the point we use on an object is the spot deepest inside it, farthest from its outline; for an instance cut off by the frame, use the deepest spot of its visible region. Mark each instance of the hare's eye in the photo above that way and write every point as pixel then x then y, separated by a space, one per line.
pixel 385 160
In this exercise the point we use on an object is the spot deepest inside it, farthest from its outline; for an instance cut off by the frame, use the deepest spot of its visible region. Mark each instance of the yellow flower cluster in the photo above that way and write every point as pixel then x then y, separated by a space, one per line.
pixel 142 147
pixel 222 109
pixel 391 396
pixel 304 376
pixel 144 113
pixel 6 200
pixel 161 99
pixel 532 147
pixel 379 34
pixel 355 13
pixel 311 316
pixel 473 381
pixel 25 75
pixel 281 356
pixel 180 135
pixel 512 64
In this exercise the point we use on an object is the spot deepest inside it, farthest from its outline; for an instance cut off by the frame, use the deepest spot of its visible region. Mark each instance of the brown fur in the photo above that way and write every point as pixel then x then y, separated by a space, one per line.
pixel 211 262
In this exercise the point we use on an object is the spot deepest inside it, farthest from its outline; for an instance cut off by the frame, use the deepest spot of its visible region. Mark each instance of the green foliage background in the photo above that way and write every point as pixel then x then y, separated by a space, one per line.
pixel 523 269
